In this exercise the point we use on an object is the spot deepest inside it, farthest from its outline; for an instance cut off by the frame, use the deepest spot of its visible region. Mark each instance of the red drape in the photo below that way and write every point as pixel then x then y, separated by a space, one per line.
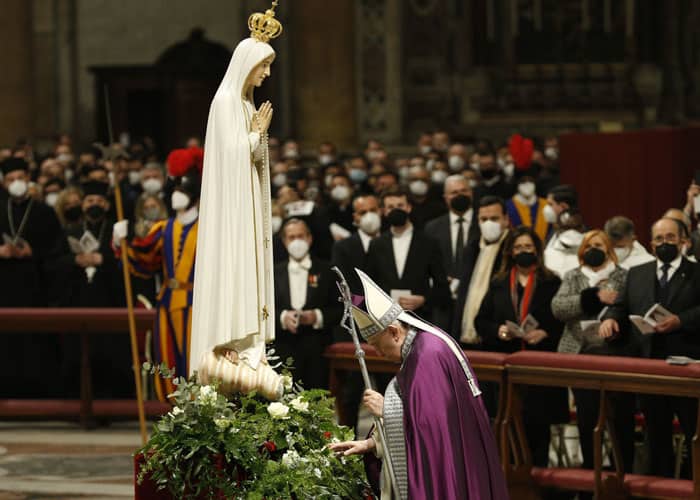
pixel 638 174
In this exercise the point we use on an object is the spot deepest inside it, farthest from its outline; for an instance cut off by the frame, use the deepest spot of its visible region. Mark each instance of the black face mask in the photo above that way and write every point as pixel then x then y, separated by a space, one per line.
pixel 460 203
pixel 95 212
pixel 397 217
pixel 488 174
pixel 594 257
pixel 73 214
pixel 525 259
pixel 666 252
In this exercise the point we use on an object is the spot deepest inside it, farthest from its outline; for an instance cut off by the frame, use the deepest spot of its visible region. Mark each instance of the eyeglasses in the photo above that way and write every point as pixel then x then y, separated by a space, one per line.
pixel 669 238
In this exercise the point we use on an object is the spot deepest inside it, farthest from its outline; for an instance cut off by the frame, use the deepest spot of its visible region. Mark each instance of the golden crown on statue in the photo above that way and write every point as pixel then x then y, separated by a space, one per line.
pixel 264 27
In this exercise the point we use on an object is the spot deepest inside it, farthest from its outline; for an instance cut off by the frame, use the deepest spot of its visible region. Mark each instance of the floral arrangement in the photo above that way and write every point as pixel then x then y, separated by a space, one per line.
pixel 268 450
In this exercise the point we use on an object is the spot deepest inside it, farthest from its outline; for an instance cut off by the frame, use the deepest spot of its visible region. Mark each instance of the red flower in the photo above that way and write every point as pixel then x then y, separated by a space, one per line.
pixel 327 435
pixel 270 446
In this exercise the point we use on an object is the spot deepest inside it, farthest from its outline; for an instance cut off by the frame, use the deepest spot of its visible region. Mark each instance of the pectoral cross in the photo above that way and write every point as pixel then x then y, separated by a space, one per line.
pixel 265 313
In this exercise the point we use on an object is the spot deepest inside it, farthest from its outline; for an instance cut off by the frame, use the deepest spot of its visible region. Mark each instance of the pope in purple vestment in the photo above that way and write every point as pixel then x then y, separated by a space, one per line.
pixel 437 430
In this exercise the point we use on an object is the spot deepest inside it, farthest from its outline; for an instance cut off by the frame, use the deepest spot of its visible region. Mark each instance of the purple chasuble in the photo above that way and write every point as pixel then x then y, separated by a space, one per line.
pixel 451 452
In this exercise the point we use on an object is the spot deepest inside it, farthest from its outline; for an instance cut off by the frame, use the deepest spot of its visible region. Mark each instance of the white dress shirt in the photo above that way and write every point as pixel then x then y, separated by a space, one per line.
pixel 675 264
pixel 365 238
pixel 401 243
pixel 298 282
pixel 454 228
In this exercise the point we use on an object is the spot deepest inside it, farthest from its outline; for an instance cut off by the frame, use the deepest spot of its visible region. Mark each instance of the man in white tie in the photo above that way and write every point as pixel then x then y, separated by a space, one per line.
pixel 306 297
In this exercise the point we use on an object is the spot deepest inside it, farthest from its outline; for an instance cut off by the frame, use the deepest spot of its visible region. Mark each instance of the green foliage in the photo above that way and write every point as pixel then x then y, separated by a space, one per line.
pixel 269 450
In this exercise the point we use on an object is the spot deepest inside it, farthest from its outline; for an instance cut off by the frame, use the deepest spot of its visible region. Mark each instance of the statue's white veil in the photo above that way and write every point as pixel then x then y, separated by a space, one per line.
pixel 226 307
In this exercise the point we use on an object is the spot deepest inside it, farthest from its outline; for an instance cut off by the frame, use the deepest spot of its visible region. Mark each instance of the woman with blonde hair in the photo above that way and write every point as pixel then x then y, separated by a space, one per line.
pixel 584 293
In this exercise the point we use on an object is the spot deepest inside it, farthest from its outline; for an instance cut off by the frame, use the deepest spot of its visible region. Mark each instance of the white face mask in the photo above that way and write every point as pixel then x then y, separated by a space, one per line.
pixel 51 199
pixel 438 176
pixel 18 188
pixel 424 150
pixel 551 153
pixel 298 249
pixel 134 177
pixel 370 222
pixel 456 163
pixel 403 172
pixel 327 180
pixel 527 189
pixel 152 186
pixel 430 163
pixel 622 253
pixel 179 200
pixel 549 214
pixel 325 159
pixel 276 222
pixel 340 193
pixel 418 188
pixel 279 180
pixel 490 230
pixel 475 166
pixel 68 174
pixel 473 183
pixel 509 170
pixel 291 154
pixel 111 179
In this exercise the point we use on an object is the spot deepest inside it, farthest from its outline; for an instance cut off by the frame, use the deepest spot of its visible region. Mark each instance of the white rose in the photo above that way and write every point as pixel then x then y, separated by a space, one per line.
pixel 288 382
pixel 207 395
pixel 290 459
pixel 299 405
pixel 222 423
pixel 278 410
pixel 317 472
pixel 176 411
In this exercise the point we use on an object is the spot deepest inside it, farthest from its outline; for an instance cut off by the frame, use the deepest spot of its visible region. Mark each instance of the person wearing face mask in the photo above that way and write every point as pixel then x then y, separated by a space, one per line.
pixel 152 179
pixel 69 207
pixel 454 231
pixel 52 190
pixel 424 144
pixel 673 282
pixel 685 221
pixel 565 237
pixel 351 253
pixel 405 262
pixel 358 168
pixel 339 208
pixel 32 250
pixel 585 292
pixel 425 203
pixel 457 157
pixel 326 153
pixel 483 258
pixel 305 295
pixel 170 248
pixel 524 288
pixel 493 182
pixel 526 208
pixel 628 250
pixel 95 280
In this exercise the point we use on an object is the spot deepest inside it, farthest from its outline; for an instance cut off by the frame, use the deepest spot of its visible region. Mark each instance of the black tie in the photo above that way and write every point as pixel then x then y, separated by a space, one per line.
pixel 459 251
pixel 663 281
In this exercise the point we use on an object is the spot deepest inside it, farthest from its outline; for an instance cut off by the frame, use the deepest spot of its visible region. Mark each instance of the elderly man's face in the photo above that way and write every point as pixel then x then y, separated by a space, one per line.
pixel 388 343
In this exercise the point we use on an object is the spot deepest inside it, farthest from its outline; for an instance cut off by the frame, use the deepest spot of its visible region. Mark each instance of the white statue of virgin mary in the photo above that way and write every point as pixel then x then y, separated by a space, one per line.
pixel 233 310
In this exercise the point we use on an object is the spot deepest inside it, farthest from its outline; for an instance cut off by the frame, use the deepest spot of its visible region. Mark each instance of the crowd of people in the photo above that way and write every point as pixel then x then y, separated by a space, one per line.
pixel 482 240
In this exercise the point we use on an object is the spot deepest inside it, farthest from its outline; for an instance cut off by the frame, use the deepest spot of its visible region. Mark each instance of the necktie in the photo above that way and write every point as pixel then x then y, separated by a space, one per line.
pixel 663 281
pixel 459 250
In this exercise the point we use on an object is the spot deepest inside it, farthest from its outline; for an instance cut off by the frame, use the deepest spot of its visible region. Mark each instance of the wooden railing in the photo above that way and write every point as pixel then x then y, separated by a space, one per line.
pixel 602 373
pixel 87 323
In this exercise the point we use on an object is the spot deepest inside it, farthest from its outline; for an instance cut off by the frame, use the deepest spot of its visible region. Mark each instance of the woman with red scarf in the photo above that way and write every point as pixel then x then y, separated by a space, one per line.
pixel 516 314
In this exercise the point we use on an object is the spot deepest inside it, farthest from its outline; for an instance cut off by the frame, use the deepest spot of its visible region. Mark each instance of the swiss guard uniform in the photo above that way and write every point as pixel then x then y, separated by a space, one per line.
pixel 170 247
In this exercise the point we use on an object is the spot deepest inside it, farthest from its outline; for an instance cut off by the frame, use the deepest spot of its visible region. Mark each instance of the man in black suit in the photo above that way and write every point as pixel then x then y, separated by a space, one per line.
pixel 482 261
pixel 405 262
pixel 493 181
pixel 351 252
pixel 453 231
pixel 674 282
pixel 307 302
